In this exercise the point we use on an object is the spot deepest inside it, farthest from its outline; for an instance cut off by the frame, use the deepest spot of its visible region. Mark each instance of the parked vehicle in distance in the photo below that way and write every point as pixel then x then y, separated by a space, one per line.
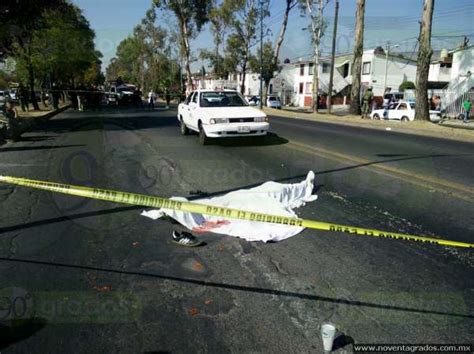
pixel 219 114
pixel 120 95
pixel 274 102
pixel 403 111
pixel 253 100
pixel 392 97
pixel 13 94
pixel 3 96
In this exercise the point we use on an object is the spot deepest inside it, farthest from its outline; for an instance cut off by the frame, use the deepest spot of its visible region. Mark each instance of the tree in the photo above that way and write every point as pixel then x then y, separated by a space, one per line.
pixel 191 16
pixel 62 49
pixel 144 58
pixel 424 58
pixel 243 37
pixel 290 4
pixel 406 85
pixel 269 65
pixel 219 17
pixel 216 61
pixel 357 61
pixel 314 9
pixel 19 19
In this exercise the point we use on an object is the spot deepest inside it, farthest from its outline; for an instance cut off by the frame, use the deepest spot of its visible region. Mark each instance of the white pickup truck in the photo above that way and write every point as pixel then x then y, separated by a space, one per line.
pixel 219 114
pixel 403 111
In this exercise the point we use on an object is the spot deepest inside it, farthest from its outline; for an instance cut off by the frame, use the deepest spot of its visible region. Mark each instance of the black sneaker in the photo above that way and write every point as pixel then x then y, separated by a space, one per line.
pixel 185 239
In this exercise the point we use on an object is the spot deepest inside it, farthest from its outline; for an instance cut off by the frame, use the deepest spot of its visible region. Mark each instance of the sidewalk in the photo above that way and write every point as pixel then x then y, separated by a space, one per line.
pixel 44 112
pixel 29 118
pixel 450 129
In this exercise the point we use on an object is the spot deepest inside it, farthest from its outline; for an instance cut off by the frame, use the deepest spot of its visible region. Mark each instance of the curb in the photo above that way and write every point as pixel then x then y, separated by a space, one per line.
pixel 51 114
pixel 468 126
pixel 421 132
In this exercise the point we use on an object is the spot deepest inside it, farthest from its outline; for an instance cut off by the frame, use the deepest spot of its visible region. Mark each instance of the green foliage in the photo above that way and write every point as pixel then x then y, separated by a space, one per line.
pixel 406 85
pixel 243 24
pixel 143 58
pixel 194 13
pixel 191 15
pixel 19 20
pixel 268 67
pixel 61 50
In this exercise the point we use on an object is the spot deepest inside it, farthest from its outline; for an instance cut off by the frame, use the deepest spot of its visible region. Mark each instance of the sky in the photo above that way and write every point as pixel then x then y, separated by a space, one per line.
pixel 385 20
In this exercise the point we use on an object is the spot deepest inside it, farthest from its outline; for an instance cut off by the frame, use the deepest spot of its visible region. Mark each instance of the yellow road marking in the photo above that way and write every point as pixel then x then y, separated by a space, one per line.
pixel 458 190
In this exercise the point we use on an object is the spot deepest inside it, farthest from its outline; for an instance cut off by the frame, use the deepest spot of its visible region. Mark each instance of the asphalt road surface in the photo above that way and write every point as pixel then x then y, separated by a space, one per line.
pixel 89 276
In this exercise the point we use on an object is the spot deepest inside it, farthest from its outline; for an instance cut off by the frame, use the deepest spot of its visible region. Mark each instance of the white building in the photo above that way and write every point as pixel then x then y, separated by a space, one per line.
pixel 294 82
pixel 451 66
pixel 296 79
pixel 451 78
pixel 375 66
pixel 382 72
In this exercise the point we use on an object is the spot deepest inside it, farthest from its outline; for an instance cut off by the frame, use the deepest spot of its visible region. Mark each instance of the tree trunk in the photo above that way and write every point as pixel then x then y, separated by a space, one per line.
pixel 31 82
pixel 357 61
pixel 316 80
pixel 244 74
pixel 244 67
pixel 424 58
pixel 281 36
pixel 216 64
pixel 186 53
pixel 333 58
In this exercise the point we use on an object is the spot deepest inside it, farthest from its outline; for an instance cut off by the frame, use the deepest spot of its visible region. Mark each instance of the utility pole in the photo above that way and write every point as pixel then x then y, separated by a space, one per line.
pixel 261 54
pixel 333 57
pixel 387 54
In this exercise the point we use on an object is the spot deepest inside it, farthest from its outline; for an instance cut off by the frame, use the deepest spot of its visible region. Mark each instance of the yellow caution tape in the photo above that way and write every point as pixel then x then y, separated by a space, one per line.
pixel 157 202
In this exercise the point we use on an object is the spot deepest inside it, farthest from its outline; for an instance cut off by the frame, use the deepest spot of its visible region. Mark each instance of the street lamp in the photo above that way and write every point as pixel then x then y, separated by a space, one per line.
pixel 387 53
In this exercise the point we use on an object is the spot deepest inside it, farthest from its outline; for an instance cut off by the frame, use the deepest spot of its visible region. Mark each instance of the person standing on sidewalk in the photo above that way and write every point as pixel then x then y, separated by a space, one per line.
pixel 55 96
pixel 151 99
pixel 167 98
pixel 367 102
pixel 466 105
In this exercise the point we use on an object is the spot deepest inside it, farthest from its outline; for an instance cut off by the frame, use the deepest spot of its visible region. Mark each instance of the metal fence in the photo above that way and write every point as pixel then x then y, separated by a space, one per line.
pixel 451 101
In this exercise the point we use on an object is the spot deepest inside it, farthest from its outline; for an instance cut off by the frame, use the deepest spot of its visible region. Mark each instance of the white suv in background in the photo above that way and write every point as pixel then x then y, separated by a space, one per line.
pixel 273 102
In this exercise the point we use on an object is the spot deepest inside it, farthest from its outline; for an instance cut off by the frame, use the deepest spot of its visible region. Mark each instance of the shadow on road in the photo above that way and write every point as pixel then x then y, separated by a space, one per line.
pixel 317 173
pixel 235 287
pixel 36 138
pixel 41 147
pixel 88 123
pixel 241 141
pixel 67 218
pixel 20 330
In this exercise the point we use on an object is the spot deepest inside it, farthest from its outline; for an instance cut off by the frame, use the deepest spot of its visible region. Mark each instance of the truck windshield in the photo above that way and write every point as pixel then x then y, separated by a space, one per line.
pixel 222 99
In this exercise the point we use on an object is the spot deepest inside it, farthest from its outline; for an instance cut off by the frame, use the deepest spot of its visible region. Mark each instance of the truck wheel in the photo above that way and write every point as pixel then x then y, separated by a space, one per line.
pixel 183 128
pixel 405 119
pixel 376 116
pixel 203 139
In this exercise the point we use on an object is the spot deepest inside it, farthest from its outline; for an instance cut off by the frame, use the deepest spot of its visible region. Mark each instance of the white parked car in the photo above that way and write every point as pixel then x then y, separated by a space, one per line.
pixel 403 111
pixel 274 102
pixel 218 114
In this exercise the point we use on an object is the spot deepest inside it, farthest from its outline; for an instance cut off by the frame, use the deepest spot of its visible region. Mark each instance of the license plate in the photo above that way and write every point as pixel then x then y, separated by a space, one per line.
pixel 243 129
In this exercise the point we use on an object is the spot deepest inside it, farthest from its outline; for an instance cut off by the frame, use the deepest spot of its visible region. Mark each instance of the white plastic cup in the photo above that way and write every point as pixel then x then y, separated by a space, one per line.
pixel 328 332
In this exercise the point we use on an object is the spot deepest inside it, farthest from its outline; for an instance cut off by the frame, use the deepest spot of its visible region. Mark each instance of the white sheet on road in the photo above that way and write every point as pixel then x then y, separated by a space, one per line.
pixel 270 197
